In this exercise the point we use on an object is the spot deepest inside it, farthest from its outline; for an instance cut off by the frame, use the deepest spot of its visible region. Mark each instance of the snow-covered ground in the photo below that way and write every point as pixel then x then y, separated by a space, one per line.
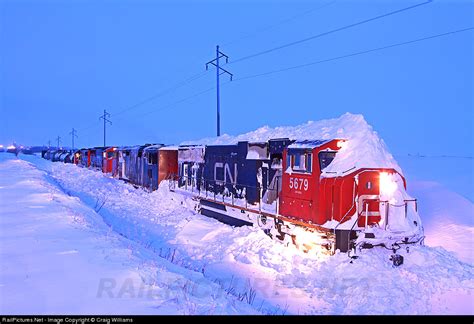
pixel 161 237
pixel 64 229
pixel 57 256
pixel 444 200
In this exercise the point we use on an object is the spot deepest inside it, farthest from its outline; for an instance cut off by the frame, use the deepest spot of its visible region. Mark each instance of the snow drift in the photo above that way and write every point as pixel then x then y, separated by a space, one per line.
pixel 364 148
pixel 246 262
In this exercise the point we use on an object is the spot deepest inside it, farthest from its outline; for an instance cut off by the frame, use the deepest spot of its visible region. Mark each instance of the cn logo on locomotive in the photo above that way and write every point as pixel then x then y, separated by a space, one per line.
pixel 226 173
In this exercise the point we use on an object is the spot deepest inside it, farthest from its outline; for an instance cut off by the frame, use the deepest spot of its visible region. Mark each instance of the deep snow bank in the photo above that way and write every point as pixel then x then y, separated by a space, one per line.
pixel 364 148
pixel 57 256
pixel 431 281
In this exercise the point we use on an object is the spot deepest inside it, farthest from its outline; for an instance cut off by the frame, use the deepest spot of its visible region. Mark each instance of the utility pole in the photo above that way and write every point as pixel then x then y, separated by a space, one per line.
pixel 104 117
pixel 59 140
pixel 49 143
pixel 219 71
pixel 73 134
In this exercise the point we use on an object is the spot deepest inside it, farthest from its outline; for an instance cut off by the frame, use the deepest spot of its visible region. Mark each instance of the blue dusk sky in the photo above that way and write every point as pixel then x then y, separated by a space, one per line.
pixel 63 62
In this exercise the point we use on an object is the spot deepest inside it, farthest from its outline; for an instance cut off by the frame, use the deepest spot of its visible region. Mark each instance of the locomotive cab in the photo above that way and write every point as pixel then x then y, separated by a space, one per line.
pixel 303 162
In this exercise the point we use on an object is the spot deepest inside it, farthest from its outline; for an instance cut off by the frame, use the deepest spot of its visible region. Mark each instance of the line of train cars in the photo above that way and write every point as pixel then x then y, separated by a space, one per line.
pixel 144 165
pixel 279 185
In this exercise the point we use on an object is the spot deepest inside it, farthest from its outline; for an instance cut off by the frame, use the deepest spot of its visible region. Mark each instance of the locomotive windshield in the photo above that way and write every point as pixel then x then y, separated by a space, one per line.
pixel 300 161
pixel 325 158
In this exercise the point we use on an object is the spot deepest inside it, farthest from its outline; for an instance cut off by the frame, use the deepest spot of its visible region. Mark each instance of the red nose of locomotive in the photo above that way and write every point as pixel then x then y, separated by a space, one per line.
pixel 376 190
pixel 370 200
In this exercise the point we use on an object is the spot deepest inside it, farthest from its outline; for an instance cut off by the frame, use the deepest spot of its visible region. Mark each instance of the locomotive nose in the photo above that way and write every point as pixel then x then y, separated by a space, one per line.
pixel 369 186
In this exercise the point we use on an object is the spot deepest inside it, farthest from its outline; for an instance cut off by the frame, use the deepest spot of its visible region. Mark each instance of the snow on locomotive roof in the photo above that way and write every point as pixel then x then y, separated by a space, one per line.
pixel 191 153
pixel 307 144
pixel 168 148
pixel 153 147
pixel 363 149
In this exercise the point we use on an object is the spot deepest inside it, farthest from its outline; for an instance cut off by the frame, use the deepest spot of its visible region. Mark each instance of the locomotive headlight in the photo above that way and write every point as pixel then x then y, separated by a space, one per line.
pixel 387 184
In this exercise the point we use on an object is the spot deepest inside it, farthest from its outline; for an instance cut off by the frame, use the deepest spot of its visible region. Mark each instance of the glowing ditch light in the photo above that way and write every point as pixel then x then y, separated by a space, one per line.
pixel 387 184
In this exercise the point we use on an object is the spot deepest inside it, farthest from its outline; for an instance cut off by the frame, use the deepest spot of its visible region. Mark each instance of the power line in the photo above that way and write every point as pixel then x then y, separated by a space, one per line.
pixel 354 54
pixel 59 140
pixel 151 98
pixel 180 101
pixel 162 93
pixel 329 32
pixel 73 134
pixel 104 117
pixel 199 75
pixel 219 71
pixel 284 21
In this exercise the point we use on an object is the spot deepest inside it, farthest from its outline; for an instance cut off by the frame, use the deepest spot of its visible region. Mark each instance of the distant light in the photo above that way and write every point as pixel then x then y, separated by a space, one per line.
pixel 1 146
pixel 11 147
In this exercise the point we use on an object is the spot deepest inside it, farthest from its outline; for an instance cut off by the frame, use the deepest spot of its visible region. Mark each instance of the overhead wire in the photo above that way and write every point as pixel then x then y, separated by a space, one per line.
pixel 162 93
pixel 354 54
pixel 201 74
pixel 282 22
pixel 391 13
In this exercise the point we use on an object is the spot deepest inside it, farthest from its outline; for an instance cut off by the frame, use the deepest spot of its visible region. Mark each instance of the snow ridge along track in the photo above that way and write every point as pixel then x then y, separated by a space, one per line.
pixel 58 257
